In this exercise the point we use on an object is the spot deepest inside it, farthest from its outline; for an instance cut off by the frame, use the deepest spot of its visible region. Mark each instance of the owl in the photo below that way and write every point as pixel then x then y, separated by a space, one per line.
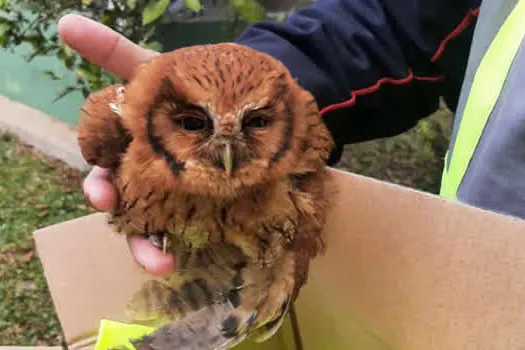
pixel 219 157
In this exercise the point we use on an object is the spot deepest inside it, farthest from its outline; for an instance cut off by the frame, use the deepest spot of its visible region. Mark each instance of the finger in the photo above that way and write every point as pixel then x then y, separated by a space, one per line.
pixel 101 45
pixel 150 257
pixel 98 189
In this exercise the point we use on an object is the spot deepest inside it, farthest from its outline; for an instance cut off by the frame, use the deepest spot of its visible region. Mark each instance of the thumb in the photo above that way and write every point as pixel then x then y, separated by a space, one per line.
pixel 102 46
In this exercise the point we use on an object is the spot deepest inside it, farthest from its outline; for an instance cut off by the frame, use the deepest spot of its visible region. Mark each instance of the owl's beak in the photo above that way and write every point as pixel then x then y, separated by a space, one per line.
pixel 227 158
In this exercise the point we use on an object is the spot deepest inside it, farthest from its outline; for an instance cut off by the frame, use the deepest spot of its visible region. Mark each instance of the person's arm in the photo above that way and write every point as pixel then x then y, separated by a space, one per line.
pixel 373 65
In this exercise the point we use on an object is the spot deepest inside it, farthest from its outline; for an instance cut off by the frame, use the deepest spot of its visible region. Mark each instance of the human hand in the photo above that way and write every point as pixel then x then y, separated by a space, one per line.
pixel 118 55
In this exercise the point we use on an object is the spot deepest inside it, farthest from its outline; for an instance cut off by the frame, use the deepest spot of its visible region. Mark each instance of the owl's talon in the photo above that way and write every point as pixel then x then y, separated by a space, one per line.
pixel 164 244
pixel 120 94
pixel 160 241
pixel 155 239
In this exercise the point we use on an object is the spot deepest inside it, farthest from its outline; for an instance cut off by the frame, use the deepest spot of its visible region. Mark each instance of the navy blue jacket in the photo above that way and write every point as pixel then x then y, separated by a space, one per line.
pixel 376 67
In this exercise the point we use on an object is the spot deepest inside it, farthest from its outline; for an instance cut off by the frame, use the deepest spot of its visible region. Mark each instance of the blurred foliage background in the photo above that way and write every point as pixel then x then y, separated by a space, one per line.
pixel 34 22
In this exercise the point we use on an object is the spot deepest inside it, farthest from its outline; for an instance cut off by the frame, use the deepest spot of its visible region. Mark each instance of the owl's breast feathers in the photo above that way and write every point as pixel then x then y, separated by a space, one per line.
pixel 263 223
pixel 240 264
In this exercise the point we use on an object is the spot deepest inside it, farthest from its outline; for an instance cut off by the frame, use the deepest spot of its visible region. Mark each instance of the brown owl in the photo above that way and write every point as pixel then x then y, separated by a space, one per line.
pixel 219 156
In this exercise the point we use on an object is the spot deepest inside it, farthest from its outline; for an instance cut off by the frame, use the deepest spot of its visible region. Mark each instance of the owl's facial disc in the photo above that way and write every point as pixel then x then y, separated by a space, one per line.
pixel 222 124
pixel 229 147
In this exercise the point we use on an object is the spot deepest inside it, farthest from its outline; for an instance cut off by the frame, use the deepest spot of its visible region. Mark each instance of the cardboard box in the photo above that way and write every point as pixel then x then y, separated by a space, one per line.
pixel 402 270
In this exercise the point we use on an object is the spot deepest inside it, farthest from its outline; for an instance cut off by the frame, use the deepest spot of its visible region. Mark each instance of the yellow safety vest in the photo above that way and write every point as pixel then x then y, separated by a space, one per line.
pixel 486 88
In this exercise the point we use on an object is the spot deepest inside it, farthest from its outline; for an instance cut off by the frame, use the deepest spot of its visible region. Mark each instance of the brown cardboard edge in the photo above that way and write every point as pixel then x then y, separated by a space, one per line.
pixel 71 262
pixel 374 228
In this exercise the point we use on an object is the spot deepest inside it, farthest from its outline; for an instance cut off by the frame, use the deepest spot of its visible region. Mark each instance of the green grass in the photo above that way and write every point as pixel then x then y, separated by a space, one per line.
pixel 34 192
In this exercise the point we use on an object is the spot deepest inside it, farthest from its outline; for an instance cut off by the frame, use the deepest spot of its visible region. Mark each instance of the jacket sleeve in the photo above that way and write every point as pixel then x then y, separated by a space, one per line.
pixel 372 65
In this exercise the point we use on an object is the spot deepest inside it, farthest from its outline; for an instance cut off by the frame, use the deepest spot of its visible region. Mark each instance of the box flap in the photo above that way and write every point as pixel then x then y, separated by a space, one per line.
pixel 403 270
pixel 90 273
pixel 408 270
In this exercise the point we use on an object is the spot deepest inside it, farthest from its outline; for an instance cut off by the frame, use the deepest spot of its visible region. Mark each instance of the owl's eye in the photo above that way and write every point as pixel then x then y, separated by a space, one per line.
pixel 192 123
pixel 256 123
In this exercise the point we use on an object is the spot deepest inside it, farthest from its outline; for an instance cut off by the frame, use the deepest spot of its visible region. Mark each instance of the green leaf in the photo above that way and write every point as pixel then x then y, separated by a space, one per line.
pixel 153 10
pixel 3 4
pixel 282 16
pixel 90 67
pixel 86 74
pixel 67 50
pixel 85 91
pixel 109 18
pixel 155 46
pixel 131 4
pixel 249 10
pixel 194 5
pixel 51 75
pixel 69 62
pixel 64 93
pixel 4 28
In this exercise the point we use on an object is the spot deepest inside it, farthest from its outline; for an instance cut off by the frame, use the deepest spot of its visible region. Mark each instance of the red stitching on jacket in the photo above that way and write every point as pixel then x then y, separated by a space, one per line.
pixel 465 23
pixel 375 87
pixel 467 20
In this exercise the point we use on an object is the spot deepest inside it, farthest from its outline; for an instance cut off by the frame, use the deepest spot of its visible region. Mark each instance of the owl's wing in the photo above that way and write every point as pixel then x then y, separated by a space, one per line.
pixel 216 306
pixel 220 325
pixel 199 331
pixel 102 136
pixel 193 309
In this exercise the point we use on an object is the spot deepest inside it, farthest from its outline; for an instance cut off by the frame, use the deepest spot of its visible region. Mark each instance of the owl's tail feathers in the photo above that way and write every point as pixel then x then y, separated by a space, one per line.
pixel 210 313
pixel 216 327
pixel 210 328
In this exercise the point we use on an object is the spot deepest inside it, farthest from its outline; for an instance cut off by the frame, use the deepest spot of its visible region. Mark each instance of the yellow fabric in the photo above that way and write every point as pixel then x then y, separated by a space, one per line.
pixel 113 334
pixel 486 88
pixel 117 334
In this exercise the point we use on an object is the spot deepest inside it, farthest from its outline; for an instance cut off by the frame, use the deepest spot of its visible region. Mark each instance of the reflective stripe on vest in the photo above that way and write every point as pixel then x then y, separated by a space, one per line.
pixel 484 93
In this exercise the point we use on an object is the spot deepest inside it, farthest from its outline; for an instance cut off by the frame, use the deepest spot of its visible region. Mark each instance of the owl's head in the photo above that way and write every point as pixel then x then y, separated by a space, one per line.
pixel 213 120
